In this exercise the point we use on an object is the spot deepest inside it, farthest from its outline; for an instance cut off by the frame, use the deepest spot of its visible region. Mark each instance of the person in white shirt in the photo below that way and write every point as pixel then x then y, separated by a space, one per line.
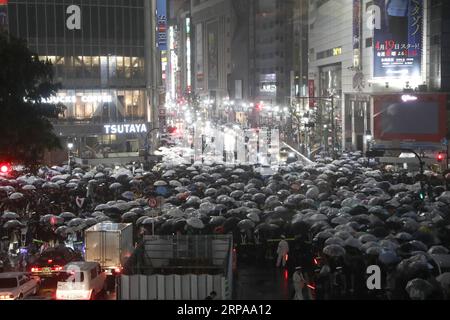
pixel 282 251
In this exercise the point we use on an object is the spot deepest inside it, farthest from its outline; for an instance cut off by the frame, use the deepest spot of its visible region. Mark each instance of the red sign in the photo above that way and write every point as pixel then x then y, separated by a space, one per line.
pixel 410 117
pixel 311 93
pixel 152 202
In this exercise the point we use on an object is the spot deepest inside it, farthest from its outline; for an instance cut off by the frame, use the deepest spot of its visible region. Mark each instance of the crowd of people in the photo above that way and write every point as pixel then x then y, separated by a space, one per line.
pixel 341 215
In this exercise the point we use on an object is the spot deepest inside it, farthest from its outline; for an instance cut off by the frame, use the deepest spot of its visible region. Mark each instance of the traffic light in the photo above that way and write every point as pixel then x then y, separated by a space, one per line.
pixel 440 157
pixel 5 168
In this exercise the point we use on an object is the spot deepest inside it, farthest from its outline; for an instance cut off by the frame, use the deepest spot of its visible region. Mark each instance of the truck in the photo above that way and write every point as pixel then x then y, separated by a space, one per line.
pixel 179 267
pixel 109 244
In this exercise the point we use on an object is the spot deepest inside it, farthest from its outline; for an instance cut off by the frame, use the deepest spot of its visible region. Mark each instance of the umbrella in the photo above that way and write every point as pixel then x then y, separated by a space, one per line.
pixel 75 222
pixel 419 289
pixel 29 187
pixel 10 216
pixel 246 224
pixel 353 243
pixel 129 195
pixel 115 186
pixel 444 280
pixel 253 216
pixel 388 257
pixel 52 219
pixel 16 196
pixel 195 223
pixel 140 220
pixel 50 185
pixel 67 215
pixel 63 230
pixel 160 183
pixel 438 250
pixel 99 175
pixel 13 224
pixel 335 241
pixel 101 207
pixel 90 222
pixel 129 216
pixel 334 250
pixel 217 221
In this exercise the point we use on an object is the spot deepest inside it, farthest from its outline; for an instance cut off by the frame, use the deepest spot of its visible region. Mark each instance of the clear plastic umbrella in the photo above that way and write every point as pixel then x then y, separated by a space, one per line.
pixel 334 250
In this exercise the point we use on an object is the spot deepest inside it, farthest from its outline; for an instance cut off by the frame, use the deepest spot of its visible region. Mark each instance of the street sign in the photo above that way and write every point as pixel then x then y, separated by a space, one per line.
pixel 152 202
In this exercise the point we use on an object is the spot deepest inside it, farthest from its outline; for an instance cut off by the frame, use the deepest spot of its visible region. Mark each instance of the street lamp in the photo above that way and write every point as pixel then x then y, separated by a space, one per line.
pixel 69 150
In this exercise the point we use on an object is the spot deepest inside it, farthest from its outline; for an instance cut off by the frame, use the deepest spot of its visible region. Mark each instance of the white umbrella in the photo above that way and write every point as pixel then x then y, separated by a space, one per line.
pixel 10 216
pixel 29 187
pixel 160 183
pixel 16 196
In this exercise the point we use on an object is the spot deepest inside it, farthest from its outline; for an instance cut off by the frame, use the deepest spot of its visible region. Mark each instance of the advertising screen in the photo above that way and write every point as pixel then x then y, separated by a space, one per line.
pixel 398 39
pixel 409 117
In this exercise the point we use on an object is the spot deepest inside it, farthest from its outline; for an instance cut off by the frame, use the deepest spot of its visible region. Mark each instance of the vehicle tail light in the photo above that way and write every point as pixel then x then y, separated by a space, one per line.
pixel 57 268
pixel 316 261
pixel 118 270
pixel 50 261
pixel 35 269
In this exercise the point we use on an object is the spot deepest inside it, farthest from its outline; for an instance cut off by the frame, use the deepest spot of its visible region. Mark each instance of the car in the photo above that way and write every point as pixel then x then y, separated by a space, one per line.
pixel 18 285
pixel 81 281
pixel 51 262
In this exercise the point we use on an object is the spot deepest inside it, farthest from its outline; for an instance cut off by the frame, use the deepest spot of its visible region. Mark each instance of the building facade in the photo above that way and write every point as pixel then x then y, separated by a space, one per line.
pixel 348 60
pixel 99 53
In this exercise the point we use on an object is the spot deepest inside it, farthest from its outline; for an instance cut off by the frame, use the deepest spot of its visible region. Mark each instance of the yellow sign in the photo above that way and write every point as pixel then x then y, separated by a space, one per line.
pixel 337 51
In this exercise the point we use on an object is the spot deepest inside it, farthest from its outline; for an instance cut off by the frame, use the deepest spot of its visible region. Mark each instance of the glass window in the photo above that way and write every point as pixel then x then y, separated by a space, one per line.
pixel 93 273
pixel 8 283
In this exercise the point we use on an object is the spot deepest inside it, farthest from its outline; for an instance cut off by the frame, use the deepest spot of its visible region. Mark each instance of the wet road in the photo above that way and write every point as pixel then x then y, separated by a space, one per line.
pixel 262 282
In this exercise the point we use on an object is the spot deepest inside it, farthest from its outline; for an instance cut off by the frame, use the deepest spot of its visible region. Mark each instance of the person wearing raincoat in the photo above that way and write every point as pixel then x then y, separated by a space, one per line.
pixel 282 251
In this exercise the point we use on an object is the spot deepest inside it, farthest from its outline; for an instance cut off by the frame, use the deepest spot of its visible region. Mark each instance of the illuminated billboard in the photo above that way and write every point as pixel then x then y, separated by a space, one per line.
pixel 410 117
pixel 398 39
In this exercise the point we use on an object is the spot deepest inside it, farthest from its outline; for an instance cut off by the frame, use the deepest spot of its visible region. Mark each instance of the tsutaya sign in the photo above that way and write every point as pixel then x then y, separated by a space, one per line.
pixel 125 128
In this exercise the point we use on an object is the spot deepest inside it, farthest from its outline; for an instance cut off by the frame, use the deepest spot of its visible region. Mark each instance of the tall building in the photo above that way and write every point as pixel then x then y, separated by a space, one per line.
pixel 245 51
pixel 100 51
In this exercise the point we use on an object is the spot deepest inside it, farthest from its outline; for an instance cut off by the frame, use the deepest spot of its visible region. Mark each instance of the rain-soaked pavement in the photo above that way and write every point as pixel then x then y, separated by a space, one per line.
pixel 262 281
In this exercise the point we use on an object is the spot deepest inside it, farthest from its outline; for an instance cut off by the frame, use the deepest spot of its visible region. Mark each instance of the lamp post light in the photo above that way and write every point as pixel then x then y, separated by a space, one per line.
pixel 70 146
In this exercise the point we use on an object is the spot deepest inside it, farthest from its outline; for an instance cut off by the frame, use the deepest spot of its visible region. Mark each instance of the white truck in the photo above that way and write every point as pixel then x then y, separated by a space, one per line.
pixel 109 244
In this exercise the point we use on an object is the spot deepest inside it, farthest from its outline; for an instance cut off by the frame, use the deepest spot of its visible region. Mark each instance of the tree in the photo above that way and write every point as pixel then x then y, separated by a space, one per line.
pixel 25 83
